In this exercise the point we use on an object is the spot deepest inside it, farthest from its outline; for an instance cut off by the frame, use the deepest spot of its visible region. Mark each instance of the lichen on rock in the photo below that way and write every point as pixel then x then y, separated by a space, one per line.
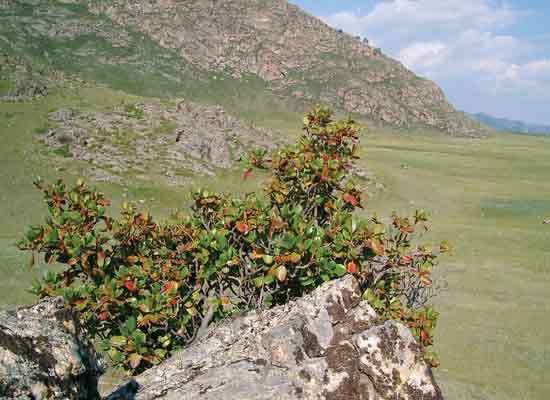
pixel 327 345
pixel 45 355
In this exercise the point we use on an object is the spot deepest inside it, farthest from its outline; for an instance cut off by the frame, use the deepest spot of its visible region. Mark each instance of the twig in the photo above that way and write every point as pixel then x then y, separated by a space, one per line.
pixel 203 329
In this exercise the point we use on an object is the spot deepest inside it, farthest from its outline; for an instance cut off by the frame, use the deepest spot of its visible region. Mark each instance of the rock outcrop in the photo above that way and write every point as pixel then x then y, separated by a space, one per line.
pixel 172 140
pixel 43 355
pixel 326 345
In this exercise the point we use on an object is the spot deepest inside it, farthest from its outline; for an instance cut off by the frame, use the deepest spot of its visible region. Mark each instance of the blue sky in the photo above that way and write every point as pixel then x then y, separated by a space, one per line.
pixel 487 55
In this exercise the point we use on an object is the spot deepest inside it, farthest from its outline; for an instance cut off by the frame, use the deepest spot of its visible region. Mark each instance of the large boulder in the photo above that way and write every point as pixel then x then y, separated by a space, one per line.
pixel 326 345
pixel 44 355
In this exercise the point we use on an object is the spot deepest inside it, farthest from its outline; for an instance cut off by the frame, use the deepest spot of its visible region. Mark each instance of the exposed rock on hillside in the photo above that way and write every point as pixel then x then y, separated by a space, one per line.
pixel 175 139
pixel 178 47
pixel 297 53
pixel 43 355
pixel 24 81
pixel 326 345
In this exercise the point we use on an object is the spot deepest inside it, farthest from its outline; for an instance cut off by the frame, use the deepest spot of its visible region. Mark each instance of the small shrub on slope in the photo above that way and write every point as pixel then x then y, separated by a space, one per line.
pixel 147 288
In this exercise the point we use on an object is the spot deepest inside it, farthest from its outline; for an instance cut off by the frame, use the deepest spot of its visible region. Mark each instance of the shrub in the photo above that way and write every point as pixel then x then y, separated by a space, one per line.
pixel 147 288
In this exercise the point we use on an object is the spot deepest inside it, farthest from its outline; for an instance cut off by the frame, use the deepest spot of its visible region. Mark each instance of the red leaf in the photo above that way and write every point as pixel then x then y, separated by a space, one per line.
pixel 349 198
pixel 103 316
pixel 130 286
pixel 173 302
pixel 255 255
pixel 282 273
pixel 325 173
pixel 424 336
pixel 169 286
pixel 247 174
pixel 72 261
pixel 405 260
pixel 426 281
pixel 242 226
pixel 377 247
pixel 132 259
pixel 352 268
pixel 135 360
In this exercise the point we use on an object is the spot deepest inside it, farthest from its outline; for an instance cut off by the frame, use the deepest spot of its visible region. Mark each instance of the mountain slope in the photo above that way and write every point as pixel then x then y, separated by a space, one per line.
pixel 213 50
pixel 509 125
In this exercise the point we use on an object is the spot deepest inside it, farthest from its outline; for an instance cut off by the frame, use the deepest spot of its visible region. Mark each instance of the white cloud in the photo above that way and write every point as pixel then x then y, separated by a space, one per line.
pixel 534 74
pixel 501 70
pixel 424 55
pixel 350 22
pixel 434 12
pixel 477 42
pixel 456 42
pixel 416 15
pixel 538 69
pixel 449 34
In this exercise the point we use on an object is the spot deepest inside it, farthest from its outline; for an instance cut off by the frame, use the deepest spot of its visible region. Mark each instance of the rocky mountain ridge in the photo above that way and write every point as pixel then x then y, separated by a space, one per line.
pixel 508 125
pixel 288 53
pixel 287 47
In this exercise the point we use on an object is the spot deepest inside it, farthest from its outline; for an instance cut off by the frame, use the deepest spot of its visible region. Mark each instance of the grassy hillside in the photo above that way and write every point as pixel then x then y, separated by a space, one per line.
pixel 23 157
pixel 487 196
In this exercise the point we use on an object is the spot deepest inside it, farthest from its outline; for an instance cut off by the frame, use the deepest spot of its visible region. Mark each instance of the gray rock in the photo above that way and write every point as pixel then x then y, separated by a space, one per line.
pixel 154 139
pixel 326 345
pixel 44 355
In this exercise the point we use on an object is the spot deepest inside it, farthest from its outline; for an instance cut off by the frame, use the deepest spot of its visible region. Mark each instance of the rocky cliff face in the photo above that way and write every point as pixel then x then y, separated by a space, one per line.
pixel 327 345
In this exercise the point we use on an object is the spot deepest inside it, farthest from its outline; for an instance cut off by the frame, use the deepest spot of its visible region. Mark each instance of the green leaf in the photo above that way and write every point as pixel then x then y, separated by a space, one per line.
pixel 139 338
pixel 268 300
pixel 104 345
pixel 116 356
pixel 267 259
pixel 340 270
pixel 118 341
pixel 259 281
pixel 134 360
pixel 131 324
pixel 306 281
pixel 161 353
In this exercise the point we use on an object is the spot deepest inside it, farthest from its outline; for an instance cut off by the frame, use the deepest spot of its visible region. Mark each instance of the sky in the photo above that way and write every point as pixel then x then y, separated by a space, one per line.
pixel 489 56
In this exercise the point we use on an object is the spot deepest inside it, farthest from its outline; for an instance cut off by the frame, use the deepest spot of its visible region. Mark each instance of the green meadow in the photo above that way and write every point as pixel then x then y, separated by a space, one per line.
pixel 488 197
